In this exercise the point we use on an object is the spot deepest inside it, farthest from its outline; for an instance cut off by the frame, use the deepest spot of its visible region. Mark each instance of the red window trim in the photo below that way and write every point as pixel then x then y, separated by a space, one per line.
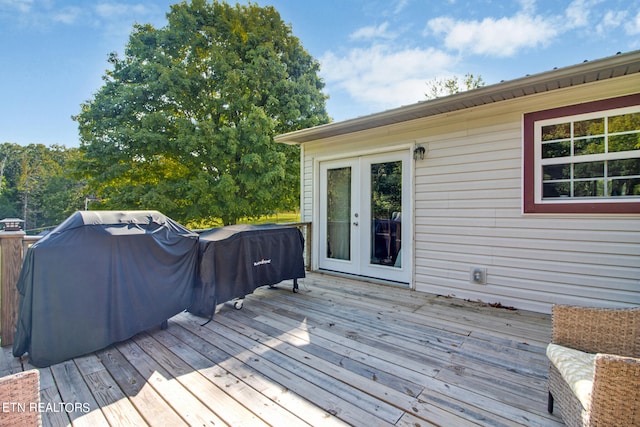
pixel 530 206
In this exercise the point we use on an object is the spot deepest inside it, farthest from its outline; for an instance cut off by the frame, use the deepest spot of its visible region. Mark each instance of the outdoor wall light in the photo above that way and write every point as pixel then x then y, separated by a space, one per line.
pixel 418 153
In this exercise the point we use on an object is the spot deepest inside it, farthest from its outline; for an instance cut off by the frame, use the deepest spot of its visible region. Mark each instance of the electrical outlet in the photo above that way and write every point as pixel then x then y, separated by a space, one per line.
pixel 478 275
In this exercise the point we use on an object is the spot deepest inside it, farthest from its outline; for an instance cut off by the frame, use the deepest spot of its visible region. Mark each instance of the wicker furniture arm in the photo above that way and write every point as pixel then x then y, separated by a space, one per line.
pixel 20 396
pixel 615 399
pixel 614 335
pixel 597 330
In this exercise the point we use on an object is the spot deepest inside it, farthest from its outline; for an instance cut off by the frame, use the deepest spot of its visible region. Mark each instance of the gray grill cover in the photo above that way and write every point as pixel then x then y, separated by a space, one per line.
pixel 101 277
pixel 237 259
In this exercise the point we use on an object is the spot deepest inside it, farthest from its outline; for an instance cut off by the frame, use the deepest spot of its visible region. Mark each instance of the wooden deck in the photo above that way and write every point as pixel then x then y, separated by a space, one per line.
pixel 339 352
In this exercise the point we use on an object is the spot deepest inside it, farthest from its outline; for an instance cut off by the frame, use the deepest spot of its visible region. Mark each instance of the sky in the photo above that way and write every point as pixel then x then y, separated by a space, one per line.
pixel 375 55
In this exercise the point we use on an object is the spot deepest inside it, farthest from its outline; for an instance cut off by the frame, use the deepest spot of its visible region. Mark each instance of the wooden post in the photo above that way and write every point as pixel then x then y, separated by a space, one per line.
pixel 10 265
pixel 308 246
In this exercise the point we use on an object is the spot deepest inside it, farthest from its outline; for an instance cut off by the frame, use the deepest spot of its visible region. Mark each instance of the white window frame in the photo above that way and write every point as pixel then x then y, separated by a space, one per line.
pixel 539 162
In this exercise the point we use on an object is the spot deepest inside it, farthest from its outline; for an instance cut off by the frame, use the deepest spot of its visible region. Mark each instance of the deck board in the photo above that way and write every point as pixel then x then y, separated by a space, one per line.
pixel 339 352
pixel 147 401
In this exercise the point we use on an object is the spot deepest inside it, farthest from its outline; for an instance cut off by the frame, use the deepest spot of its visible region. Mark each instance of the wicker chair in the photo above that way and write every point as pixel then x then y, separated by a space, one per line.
pixel 20 397
pixel 613 335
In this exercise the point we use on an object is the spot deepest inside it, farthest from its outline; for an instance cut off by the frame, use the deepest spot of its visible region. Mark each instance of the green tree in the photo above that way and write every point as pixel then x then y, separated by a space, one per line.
pixel 10 201
pixel 437 88
pixel 62 195
pixel 185 121
pixel 36 186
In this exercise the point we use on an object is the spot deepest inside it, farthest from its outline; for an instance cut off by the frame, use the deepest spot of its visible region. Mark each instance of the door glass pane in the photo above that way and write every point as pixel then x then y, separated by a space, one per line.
pixel 339 213
pixel 386 214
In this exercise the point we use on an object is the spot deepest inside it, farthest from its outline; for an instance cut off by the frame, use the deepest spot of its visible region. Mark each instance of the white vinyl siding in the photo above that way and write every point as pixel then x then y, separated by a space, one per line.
pixel 306 207
pixel 468 214
pixel 468 210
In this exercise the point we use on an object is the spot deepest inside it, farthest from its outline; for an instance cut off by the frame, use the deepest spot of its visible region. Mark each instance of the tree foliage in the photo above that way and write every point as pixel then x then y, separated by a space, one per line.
pixel 437 88
pixel 184 123
pixel 35 185
pixel 386 189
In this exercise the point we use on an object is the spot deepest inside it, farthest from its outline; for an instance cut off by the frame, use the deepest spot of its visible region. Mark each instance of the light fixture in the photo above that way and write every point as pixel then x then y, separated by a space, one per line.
pixel 418 153
pixel 12 224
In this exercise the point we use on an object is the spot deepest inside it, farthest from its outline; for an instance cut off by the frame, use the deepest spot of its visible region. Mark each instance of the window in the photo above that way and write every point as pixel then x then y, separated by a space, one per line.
pixel 584 158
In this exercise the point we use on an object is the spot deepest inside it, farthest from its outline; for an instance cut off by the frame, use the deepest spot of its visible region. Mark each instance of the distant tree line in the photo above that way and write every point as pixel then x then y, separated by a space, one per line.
pixel 36 185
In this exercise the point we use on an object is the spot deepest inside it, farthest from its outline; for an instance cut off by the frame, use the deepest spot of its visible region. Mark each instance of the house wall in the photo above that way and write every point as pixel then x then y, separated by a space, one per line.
pixel 468 210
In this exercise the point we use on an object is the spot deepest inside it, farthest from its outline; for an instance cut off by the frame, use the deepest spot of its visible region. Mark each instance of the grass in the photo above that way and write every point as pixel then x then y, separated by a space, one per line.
pixel 277 218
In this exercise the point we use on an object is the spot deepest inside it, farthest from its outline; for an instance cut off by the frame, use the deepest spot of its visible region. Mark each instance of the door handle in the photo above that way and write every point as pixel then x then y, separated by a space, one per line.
pixel 355 223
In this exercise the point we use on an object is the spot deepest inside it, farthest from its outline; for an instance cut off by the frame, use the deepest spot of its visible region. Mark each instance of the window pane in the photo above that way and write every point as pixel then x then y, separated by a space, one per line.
pixel 588 146
pixel 628 142
pixel 624 123
pixel 386 214
pixel 624 187
pixel 556 149
pixel 339 213
pixel 556 189
pixel 625 167
pixel 588 170
pixel 559 131
pixel 600 156
pixel 588 127
pixel 593 188
pixel 554 172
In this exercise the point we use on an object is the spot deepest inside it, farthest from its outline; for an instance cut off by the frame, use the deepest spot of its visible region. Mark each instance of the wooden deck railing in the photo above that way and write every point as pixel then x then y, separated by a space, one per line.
pixel 11 253
pixel 13 246
pixel 305 229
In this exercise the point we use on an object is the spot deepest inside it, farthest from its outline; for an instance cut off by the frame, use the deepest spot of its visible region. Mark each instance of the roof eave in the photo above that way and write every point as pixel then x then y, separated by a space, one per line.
pixel 586 72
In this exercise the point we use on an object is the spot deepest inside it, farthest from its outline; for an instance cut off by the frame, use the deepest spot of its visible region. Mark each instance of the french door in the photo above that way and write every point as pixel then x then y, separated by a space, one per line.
pixel 365 216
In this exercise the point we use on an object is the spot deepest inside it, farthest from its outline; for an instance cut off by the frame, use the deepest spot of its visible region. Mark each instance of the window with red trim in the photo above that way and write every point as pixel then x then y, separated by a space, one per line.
pixel 583 158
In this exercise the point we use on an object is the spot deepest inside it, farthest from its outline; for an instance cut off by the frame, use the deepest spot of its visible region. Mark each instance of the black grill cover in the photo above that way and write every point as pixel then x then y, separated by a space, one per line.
pixel 237 259
pixel 101 277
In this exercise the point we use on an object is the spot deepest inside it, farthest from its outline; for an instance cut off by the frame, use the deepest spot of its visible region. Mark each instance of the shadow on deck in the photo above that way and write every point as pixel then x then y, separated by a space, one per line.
pixel 339 352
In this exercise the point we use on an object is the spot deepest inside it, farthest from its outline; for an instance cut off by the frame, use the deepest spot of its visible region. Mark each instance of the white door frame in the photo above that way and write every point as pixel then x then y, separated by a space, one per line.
pixel 400 152
pixel 352 264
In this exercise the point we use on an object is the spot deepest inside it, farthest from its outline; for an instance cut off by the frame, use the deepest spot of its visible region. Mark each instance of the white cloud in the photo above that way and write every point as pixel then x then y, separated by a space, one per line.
pixel 610 21
pixel 383 75
pixel 528 6
pixel 42 13
pixel 400 6
pixel 111 10
pixel 23 6
pixel 494 37
pixel 506 36
pixel 578 13
pixel 372 32
pixel 632 27
pixel 67 16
